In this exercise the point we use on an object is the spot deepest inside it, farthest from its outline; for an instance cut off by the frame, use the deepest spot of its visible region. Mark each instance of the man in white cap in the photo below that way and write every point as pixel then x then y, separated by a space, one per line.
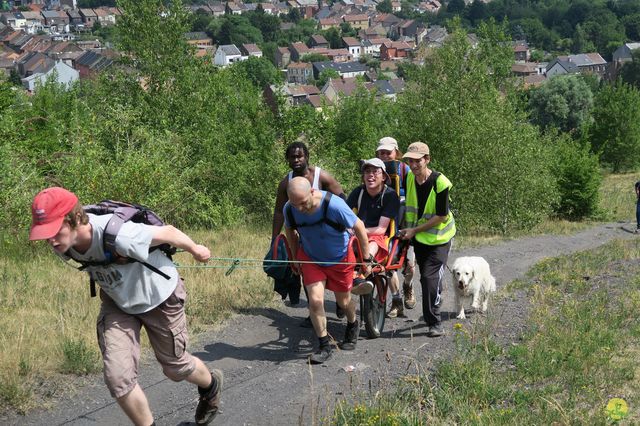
pixel 388 150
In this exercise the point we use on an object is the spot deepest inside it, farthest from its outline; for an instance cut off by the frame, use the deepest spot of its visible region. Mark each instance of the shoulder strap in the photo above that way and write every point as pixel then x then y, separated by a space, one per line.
pixel 316 178
pixel 359 199
pixel 292 221
pixel 325 206
pixel 290 176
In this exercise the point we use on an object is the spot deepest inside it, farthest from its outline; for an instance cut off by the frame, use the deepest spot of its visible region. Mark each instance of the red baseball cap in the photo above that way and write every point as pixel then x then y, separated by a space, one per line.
pixel 48 210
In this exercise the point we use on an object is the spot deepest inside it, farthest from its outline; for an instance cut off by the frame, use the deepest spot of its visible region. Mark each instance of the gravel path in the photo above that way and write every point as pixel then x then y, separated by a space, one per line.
pixel 263 354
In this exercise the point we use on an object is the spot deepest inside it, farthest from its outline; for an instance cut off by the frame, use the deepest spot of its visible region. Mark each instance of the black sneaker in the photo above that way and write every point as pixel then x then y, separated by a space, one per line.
pixel 323 354
pixel 306 323
pixel 350 337
pixel 340 313
pixel 435 330
pixel 209 399
pixel 361 286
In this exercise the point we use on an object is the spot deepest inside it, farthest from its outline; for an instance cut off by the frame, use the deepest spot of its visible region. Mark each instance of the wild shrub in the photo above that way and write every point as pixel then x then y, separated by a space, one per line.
pixel 578 176
pixel 79 357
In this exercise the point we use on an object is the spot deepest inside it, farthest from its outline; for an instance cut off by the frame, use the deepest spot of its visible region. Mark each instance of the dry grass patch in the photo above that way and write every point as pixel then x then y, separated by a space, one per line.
pixel 47 317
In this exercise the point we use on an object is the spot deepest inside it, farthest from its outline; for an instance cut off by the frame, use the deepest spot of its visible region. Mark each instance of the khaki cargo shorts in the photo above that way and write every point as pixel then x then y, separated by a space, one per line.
pixel 119 340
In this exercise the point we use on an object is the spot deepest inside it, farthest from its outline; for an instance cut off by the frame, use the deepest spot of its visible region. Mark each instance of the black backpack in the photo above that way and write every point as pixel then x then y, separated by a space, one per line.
pixel 122 212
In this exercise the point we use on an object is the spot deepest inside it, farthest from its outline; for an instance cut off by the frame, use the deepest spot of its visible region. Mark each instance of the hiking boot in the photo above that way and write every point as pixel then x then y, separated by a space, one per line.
pixel 397 310
pixel 209 399
pixel 340 313
pixel 306 323
pixel 361 286
pixel 409 297
pixel 323 354
pixel 350 337
pixel 435 330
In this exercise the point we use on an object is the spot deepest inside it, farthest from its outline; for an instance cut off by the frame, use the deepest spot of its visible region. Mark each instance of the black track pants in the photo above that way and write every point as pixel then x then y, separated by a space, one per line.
pixel 431 261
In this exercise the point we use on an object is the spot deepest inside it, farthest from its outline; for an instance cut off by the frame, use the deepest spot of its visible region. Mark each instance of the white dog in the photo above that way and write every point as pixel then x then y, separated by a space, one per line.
pixel 472 277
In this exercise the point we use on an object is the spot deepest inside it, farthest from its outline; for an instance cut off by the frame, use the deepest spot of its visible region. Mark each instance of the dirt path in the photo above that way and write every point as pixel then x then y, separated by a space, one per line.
pixel 263 354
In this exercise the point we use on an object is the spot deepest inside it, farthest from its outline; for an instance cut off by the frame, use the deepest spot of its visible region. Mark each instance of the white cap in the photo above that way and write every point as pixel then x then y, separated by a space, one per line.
pixel 387 144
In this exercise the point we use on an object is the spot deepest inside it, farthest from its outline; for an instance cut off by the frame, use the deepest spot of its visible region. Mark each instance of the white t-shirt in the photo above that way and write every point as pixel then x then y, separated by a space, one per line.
pixel 132 286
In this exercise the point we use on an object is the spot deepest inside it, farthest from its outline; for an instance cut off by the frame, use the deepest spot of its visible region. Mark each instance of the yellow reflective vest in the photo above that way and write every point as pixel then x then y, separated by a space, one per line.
pixel 439 234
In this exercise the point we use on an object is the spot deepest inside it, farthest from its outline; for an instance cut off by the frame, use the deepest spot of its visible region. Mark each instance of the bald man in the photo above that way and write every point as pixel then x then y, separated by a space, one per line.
pixel 316 226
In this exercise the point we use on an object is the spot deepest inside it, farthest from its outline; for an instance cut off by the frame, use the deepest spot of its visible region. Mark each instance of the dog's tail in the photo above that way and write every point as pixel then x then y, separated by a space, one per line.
pixel 492 284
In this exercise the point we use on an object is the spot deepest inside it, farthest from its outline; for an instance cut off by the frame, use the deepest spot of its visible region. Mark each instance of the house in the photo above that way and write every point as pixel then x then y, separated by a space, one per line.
pixel 269 8
pixel 226 55
pixel 65 51
pixel 105 15
pixel 383 88
pixel 299 72
pixel 295 94
pixel 198 39
pixel 357 21
pixel 374 31
pixel 34 22
pixel 372 46
pixel 560 66
pixel 317 40
pixel 395 50
pixel 586 63
pixel 217 9
pixel 89 17
pixel 60 72
pixel 332 22
pixel 345 69
pixel 250 49
pixel 353 46
pixel 339 55
pixel 283 57
pixel 521 51
pixel 298 50
pixel 91 63
pixel 337 88
pixel 436 36
pixel 32 63
pixel 624 53
pixel 523 69
pixel 15 20
pixel 408 28
pixel 396 6
pixel 74 17
pixel 235 8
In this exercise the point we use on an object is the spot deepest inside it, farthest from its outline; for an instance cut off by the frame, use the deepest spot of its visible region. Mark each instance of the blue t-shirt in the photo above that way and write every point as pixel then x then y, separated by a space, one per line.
pixel 322 242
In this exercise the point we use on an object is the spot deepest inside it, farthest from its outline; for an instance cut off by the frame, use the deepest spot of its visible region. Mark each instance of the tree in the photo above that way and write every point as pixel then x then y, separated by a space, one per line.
pixel 630 71
pixel 313 57
pixel 615 133
pixel 456 7
pixel 564 103
pixel 460 104
pixel 325 75
pixel 260 71
pixel 333 37
pixel 384 6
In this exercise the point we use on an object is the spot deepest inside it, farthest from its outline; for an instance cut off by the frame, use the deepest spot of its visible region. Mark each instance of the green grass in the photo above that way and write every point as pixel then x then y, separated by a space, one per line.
pixel 580 350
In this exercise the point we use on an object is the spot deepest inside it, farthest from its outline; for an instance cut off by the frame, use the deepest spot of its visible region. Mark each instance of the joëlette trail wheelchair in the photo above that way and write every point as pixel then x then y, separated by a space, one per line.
pixel 373 305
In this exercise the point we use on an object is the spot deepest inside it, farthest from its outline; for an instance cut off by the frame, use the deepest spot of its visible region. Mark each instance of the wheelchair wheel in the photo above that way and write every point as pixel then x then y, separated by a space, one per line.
pixel 373 307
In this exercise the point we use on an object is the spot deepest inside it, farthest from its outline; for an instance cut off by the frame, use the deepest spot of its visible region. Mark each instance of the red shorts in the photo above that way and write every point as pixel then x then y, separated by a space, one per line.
pixel 383 247
pixel 339 278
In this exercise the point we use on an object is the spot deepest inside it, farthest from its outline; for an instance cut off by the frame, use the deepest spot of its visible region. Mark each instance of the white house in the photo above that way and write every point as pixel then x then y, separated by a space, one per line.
pixel 59 72
pixel 227 54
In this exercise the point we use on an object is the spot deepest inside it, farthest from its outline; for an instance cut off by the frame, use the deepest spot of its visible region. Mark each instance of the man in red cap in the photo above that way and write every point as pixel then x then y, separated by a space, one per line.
pixel 132 296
